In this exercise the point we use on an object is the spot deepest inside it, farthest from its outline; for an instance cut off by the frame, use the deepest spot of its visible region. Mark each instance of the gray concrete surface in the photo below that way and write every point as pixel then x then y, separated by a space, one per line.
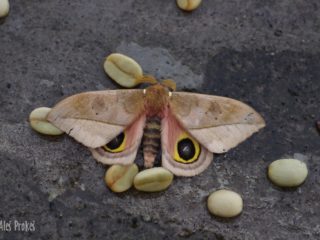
pixel 265 53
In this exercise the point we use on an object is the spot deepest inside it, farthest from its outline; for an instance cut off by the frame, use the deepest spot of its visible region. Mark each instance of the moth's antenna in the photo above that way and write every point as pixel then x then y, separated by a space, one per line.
pixel 147 79
pixel 169 83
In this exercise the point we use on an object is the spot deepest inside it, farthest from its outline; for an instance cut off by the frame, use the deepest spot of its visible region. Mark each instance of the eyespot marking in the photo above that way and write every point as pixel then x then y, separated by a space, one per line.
pixel 187 149
pixel 117 144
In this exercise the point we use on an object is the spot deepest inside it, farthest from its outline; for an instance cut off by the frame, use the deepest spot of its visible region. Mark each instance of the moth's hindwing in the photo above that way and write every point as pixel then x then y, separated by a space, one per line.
pixel 182 154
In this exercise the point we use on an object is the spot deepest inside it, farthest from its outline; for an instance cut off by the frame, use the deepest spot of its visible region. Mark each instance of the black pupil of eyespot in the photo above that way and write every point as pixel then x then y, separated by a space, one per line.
pixel 186 149
pixel 116 142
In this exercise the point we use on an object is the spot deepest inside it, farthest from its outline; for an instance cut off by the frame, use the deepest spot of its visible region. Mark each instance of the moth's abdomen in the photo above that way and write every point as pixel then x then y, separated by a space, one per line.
pixel 151 140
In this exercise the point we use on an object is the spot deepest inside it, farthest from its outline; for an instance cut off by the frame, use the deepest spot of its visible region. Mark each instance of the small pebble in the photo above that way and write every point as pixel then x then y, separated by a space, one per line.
pixel 39 123
pixel 119 178
pixel 188 5
pixel 123 70
pixel 318 125
pixel 287 172
pixel 4 8
pixel 153 180
pixel 225 203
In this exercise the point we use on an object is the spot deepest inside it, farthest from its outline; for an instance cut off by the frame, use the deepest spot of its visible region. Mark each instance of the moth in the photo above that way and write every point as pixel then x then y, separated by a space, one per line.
pixel 188 127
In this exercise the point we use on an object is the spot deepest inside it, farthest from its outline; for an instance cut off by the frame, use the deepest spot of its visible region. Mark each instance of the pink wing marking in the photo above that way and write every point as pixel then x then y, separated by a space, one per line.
pixel 171 130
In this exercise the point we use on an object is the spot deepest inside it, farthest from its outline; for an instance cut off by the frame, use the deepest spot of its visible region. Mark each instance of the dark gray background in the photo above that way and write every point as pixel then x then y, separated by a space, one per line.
pixel 264 53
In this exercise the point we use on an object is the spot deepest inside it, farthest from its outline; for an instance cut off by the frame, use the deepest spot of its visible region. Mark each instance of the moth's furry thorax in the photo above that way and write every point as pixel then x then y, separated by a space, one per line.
pixel 156 99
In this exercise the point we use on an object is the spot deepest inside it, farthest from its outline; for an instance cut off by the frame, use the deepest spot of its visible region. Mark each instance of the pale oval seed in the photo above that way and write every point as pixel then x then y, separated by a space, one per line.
pixel 4 8
pixel 39 123
pixel 287 172
pixel 123 69
pixel 225 203
pixel 153 180
pixel 119 178
pixel 188 5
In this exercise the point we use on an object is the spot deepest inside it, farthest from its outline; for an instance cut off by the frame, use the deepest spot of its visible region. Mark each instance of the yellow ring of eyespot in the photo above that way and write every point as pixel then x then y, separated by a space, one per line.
pixel 118 149
pixel 196 146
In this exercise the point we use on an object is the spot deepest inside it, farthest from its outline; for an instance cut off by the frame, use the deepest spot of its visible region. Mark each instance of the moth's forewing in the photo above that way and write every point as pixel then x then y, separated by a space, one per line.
pixel 218 123
pixel 94 118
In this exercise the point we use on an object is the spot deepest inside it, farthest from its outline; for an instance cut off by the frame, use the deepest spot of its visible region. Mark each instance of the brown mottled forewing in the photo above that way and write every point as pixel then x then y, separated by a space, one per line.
pixel 218 123
pixel 95 118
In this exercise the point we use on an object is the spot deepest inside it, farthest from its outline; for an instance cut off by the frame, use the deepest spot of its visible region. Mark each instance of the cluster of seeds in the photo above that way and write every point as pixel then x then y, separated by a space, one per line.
pixel 4 8
pixel 120 178
pixel 282 172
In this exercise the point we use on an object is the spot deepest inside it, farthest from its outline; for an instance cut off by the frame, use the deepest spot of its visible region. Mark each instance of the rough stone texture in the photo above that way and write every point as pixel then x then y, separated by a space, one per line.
pixel 265 53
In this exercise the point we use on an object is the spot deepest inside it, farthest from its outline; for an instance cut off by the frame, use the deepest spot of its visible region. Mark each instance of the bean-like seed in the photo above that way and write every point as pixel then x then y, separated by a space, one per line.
pixel 39 123
pixel 119 178
pixel 225 203
pixel 188 5
pixel 153 180
pixel 287 172
pixel 4 8
pixel 123 69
